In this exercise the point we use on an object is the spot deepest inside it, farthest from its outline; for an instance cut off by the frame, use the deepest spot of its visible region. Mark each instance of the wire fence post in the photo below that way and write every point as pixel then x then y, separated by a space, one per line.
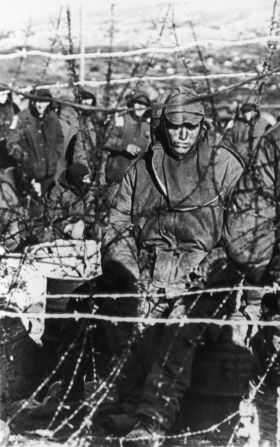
pixel 82 45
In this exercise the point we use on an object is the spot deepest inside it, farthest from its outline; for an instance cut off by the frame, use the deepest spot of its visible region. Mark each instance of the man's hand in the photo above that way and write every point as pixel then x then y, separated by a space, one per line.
pixel 37 187
pixel 2 250
pixel 16 152
pixel 132 149
pixel 75 230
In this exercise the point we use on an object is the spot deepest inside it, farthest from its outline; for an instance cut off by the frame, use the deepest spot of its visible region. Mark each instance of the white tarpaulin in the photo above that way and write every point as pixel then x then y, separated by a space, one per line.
pixel 23 277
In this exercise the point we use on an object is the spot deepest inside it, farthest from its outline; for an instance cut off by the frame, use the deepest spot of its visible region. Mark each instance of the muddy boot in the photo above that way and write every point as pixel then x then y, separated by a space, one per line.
pixel 121 420
pixel 146 433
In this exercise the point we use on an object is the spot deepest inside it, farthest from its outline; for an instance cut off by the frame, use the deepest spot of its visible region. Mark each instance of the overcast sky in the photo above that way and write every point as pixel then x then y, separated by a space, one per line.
pixel 16 12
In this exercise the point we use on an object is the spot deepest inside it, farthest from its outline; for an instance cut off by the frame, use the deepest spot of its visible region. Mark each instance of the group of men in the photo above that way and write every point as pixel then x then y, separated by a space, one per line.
pixel 51 165
pixel 177 191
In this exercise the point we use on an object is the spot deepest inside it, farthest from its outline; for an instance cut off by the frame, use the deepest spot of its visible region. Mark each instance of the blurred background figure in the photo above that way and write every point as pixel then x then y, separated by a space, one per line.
pixel 225 113
pixel 84 150
pixel 36 139
pixel 21 210
pixel 71 204
pixel 68 118
pixel 8 110
pixel 129 136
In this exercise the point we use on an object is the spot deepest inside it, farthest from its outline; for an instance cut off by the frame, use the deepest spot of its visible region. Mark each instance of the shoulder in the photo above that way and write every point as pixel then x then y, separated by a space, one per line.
pixel 25 115
pixel 8 196
pixel 273 134
pixel 69 114
pixel 23 118
pixel 216 151
pixel 52 116
pixel 224 154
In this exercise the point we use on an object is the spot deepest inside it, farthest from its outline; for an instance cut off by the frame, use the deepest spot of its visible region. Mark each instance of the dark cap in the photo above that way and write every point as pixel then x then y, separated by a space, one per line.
pixel 177 112
pixel 41 94
pixel 141 99
pixel 137 97
pixel 86 94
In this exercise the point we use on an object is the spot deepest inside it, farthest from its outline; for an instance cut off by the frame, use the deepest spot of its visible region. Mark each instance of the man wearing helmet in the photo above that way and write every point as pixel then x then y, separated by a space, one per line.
pixel 167 215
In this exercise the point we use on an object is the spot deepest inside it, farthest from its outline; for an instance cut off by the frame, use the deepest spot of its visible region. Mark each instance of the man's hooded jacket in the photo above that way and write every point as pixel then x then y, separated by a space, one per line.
pixel 252 233
pixel 170 213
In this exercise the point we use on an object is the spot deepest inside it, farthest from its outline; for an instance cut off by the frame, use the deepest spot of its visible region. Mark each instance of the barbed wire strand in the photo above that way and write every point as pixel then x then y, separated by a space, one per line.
pixel 138 52
pixel 22 60
pixel 53 42
pixel 198 98
pixel 70 385
pixel 139 63
pixel 253 394
pixel 45 382
pixel 271 48
pixel 136 79
pixel 143 320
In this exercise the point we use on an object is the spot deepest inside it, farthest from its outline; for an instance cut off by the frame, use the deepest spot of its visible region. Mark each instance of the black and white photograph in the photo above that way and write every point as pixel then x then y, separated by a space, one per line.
pixel 140 223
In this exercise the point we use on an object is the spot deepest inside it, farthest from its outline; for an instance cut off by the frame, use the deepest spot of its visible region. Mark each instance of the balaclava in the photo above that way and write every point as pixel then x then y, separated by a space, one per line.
pixel 177 112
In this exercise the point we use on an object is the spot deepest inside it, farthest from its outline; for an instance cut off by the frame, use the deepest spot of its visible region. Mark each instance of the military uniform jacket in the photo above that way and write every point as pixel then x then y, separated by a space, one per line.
pixel 37 143
pixel 133 131
pixel 170 212
pixel 252 236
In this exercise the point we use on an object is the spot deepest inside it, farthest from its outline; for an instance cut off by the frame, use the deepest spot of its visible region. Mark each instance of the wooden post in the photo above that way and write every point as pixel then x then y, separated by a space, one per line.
pixel 82 45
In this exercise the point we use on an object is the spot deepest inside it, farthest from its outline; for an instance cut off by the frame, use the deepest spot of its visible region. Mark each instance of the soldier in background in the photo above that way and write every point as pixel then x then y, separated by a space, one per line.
pixel 128 137
pixel 68 117
pixel 8 109
pixel 70 203
pixel 36 139
pixel 84 150
pixel 21 210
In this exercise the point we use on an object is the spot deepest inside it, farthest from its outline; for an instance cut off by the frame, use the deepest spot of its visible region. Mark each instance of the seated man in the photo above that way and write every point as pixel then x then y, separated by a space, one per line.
pixel 167 215
pixel 71 203
pixel 21 210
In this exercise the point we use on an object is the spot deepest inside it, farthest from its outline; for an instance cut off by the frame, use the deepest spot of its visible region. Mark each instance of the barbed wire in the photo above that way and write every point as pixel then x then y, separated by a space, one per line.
pixel 139 52
pixel 21 61
pixel 253 392
pixel 135 79
pixel 198 98
pixel 148 64
pixel 265 289
pixel 53 41
pixel 271 47
pixel 142 320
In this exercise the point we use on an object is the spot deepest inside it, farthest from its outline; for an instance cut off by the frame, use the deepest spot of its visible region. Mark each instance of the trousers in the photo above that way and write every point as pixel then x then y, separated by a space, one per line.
pixel 159 358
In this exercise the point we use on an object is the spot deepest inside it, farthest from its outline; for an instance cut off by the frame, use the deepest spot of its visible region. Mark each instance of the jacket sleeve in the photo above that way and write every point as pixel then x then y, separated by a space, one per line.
pixel 16 138
pixel 274 265
pixel 85 145
pixel 60 150
pixel 119 253
pixel 80 154
pixel 235 172
pixel 114 137
pixel 60 138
